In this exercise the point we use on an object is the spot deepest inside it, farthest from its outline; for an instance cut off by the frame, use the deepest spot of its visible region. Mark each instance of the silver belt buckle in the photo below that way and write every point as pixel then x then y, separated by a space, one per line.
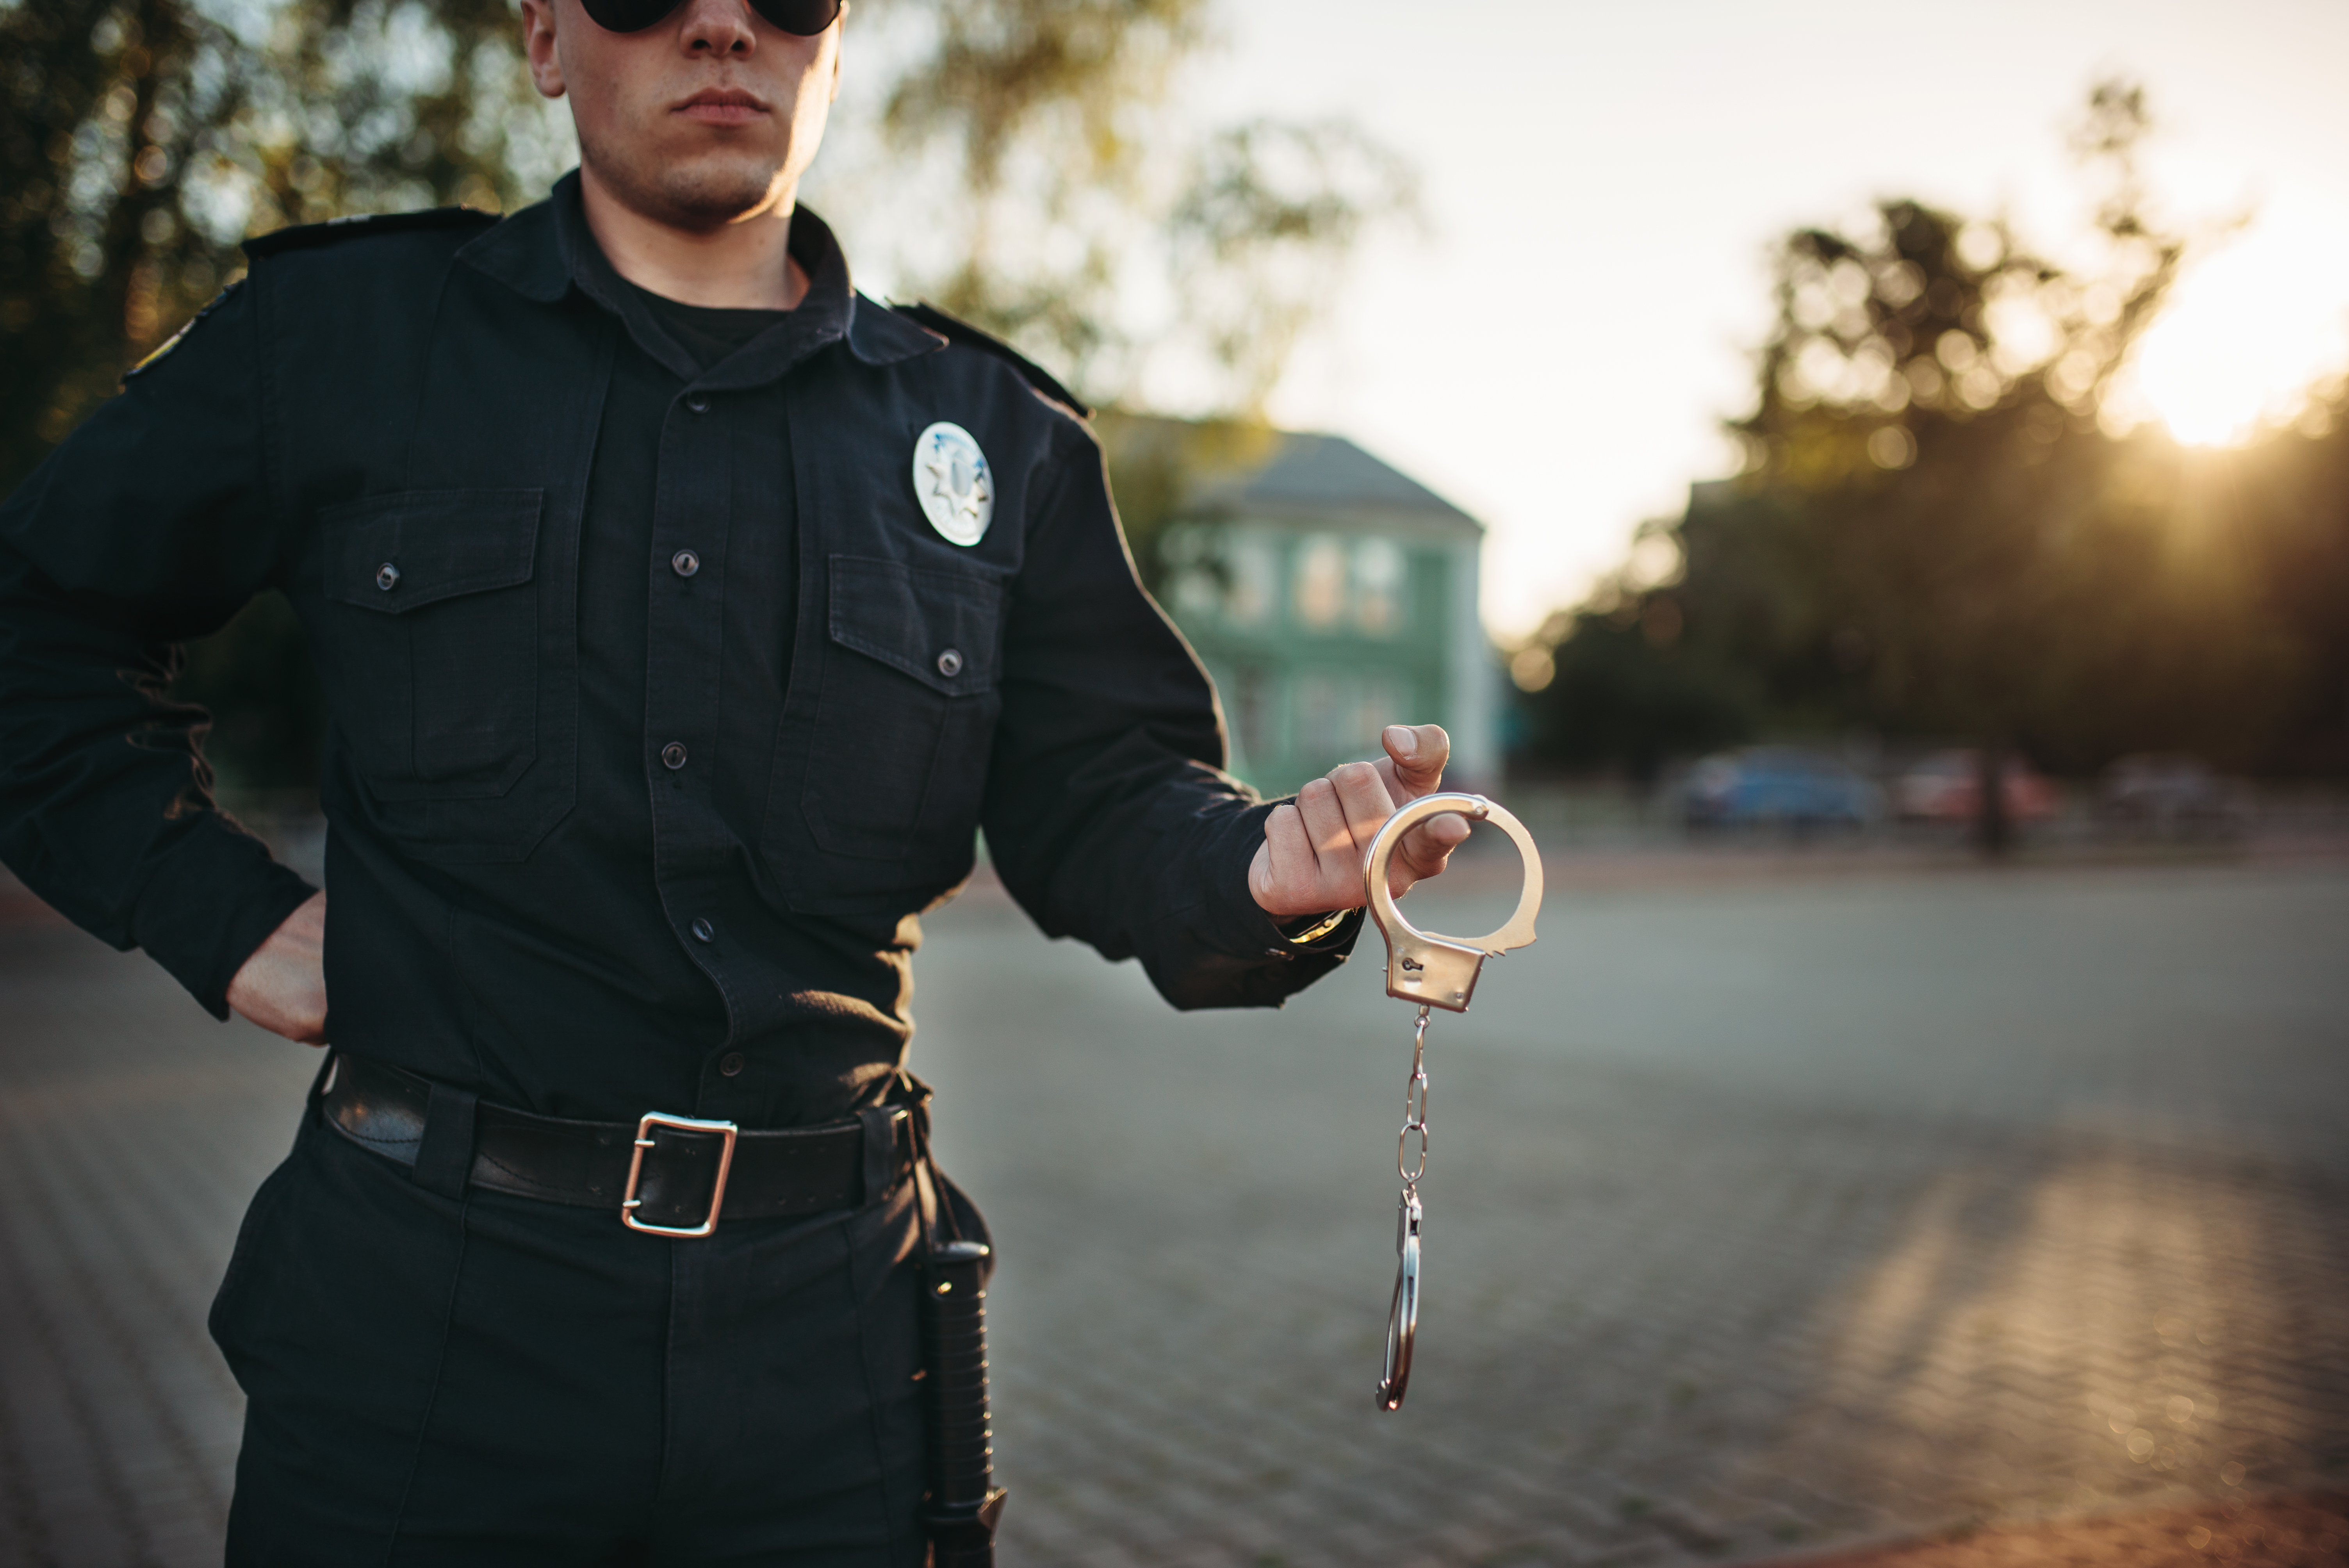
pixel 629 1202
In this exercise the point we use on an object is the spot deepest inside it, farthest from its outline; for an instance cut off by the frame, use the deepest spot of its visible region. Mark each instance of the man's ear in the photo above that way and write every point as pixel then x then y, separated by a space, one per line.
pixel 538 47
pixel 839 41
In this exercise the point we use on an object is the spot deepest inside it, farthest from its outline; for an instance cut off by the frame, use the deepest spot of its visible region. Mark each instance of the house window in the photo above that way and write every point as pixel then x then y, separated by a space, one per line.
pixel 1254 573
pixel 1197 594
pixel 1322 717
pixel 1378 586
pixel 1321 582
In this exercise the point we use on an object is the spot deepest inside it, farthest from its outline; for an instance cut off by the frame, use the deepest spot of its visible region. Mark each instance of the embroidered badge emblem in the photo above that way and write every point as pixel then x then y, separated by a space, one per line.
pixel 956 486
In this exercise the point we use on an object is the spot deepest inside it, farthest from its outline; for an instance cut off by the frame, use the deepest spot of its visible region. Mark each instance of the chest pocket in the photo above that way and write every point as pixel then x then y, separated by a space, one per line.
pixel 438 631
pixel 905 715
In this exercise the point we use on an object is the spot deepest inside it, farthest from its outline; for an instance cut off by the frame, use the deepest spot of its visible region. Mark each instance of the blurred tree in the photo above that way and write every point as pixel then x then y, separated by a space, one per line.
pixel 1939 351
pixel 1614 695
pixel 1934 534
pixel 1075 190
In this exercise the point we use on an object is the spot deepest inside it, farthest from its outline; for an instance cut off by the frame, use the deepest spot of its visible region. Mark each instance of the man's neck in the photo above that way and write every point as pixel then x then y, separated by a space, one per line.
pixel 743 265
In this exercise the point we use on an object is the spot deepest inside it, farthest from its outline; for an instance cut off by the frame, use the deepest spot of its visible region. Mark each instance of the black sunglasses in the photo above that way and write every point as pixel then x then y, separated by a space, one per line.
pixel 805 18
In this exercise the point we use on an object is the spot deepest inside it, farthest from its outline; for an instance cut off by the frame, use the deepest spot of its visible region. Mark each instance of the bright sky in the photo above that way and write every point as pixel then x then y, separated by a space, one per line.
pixel 1603 182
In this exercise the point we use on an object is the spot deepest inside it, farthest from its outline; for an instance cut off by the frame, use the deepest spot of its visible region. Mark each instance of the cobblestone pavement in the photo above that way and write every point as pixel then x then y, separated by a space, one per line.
pixel 1766 1214
pixel 2273 1530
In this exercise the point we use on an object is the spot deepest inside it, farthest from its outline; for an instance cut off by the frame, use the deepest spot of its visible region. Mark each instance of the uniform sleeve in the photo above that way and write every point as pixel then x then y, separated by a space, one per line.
pixel 149 526
pixel 1108 812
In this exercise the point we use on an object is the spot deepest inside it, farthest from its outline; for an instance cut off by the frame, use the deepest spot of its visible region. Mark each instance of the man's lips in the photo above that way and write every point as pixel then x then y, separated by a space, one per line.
pixel 722 106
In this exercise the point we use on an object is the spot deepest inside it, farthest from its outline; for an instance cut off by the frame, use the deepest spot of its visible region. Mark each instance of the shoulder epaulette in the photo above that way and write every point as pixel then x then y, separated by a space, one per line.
pixel 956 331
pixel 301 235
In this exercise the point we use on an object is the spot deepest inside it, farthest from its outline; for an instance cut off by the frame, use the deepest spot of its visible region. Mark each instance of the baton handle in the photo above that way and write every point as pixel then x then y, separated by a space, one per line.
pixel 964 1502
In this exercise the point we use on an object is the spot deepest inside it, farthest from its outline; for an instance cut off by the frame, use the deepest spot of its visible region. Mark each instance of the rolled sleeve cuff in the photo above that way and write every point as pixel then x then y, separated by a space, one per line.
pixel 213 901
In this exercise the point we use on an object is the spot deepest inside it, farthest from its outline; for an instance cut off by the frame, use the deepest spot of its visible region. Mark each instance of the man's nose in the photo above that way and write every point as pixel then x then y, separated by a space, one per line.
pixel 717 27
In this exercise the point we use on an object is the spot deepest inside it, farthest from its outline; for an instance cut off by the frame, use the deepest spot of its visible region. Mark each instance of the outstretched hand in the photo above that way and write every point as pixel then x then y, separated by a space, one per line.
pixel 1311 859
pixel 283 986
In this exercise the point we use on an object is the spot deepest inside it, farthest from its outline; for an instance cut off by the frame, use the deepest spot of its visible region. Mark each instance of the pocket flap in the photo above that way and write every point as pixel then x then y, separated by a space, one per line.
pixel 400 552
pixel 938 626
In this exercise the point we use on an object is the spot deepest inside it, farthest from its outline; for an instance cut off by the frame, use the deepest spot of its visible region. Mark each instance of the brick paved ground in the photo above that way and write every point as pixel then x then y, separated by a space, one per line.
pixel 2275 1530
pixel 1764 1214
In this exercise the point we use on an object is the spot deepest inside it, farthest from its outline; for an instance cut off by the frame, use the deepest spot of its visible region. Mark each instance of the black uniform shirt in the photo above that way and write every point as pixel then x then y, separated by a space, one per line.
pixel 659 711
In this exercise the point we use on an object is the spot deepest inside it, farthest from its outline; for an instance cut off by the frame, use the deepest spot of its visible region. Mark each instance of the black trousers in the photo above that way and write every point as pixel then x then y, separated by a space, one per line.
pixel 501 1381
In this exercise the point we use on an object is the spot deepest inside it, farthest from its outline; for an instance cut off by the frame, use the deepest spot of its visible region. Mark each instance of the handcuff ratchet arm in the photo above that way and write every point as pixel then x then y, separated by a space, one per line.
pixel 1425 966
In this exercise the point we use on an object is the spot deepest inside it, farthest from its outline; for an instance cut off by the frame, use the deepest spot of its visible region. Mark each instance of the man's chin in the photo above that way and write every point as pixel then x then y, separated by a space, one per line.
pixel 707 193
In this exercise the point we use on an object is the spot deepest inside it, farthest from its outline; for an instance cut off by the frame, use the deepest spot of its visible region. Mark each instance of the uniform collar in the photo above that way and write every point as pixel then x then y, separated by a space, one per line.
pixel 544 250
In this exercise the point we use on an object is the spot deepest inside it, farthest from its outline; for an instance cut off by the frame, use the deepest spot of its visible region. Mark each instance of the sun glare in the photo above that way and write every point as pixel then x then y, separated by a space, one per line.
pixel 2244 337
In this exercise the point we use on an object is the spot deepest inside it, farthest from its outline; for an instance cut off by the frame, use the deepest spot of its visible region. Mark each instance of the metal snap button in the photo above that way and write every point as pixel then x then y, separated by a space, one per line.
pixel 950 663
pixel 697 403
pixel 730 1064
pixel 685 563
pixel 702 929
pixel 673 755
pixel 386 577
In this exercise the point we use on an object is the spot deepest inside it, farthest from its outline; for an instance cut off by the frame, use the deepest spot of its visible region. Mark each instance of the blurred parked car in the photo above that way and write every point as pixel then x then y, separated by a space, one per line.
pixel 1779 784
pixel 2172 793
pixel 1946 786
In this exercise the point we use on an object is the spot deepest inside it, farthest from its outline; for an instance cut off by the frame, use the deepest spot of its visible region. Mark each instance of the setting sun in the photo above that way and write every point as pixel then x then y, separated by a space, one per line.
pixel 2245 335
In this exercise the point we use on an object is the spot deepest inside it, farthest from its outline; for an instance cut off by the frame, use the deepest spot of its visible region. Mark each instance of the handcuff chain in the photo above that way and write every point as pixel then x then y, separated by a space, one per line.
pixel 1403 1312
pixel 1431 970
pixel 1415 1110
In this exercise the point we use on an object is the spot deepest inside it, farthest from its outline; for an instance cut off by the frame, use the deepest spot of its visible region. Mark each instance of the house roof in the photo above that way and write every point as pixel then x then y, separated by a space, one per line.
pixel 1315 473
pixel 1304 475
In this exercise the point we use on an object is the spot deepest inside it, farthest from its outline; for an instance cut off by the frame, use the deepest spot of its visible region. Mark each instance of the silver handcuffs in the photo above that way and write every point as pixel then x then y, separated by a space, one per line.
pixel 1434 971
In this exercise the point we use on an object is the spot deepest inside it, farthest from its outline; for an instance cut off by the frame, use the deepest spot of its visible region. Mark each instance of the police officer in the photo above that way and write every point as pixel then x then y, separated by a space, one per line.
pixel 682 614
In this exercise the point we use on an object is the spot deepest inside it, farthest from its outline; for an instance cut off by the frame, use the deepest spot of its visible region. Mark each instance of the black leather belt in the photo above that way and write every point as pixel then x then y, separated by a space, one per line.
pixel 670 1175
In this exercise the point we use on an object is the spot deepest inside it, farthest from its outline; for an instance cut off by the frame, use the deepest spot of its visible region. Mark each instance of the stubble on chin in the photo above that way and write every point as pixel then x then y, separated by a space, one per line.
pixel 707 191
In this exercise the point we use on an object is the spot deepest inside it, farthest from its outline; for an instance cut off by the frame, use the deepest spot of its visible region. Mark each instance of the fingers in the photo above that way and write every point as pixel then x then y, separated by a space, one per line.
pixel 1425 851
pixel 1284 873
pixel 1311 859
pixel 1312 854
pixel 1418 752
pixel 1363 795
pixel 1355 803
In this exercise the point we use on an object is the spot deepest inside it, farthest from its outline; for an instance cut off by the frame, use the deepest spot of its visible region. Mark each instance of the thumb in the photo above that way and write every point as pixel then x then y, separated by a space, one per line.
pixel 1420 752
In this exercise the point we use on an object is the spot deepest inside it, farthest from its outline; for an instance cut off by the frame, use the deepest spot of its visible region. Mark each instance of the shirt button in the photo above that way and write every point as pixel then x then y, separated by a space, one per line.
pixel 702 929
pixel 386 577
pixel 697 403
pixel 685 563
pixel 673 755
pixel 730 1064
pixel 950 663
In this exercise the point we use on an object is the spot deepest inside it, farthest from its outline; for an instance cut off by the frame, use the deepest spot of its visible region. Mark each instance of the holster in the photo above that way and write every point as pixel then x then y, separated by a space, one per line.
pixel 963 1501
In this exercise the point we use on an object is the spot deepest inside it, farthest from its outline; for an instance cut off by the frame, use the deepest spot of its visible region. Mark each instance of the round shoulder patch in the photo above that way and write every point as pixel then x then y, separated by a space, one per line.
pixel 956 486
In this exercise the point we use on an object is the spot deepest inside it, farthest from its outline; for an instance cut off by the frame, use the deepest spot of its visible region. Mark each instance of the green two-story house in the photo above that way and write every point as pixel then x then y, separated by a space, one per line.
pixel 1328 595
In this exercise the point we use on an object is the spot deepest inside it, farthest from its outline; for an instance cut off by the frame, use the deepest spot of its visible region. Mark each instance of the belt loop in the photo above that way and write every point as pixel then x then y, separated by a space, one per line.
pixel 444 1159
pixel 884 1126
